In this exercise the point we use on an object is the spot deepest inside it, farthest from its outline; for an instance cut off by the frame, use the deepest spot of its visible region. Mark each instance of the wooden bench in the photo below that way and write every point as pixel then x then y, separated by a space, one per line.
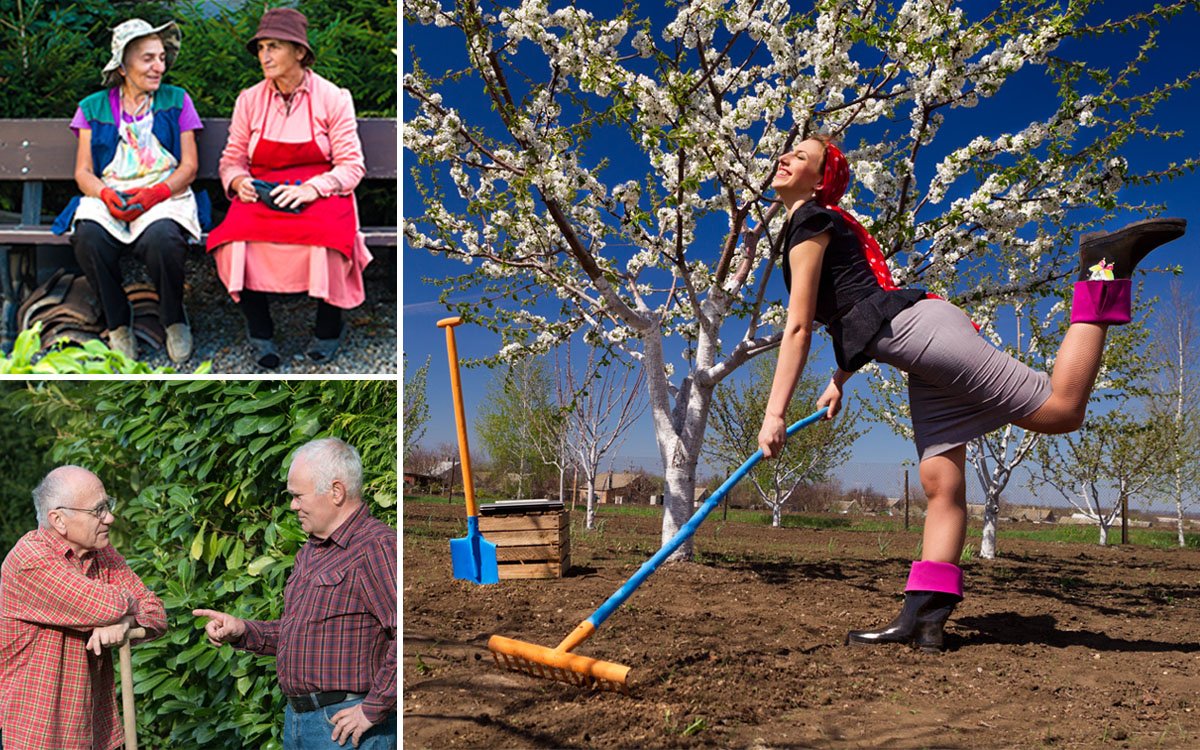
pixel 34 152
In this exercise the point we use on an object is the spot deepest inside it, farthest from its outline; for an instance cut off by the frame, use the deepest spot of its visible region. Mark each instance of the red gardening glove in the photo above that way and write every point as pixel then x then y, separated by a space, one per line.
pixel 113 201
pixel 146 198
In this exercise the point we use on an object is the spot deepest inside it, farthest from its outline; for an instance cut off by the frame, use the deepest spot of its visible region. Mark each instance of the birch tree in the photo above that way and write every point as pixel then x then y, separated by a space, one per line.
pixel 610 174
pixel 1175 403
pixel 602 401
pixel 809 456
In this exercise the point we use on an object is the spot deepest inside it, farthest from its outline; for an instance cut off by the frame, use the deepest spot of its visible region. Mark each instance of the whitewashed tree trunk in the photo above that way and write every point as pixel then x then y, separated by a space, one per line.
pixel 1179 509
pixel 994 457
pixel 590 515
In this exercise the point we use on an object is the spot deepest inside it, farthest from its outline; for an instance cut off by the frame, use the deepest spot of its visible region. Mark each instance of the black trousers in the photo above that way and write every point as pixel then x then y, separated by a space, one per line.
pixel 161 247
pixel 256 307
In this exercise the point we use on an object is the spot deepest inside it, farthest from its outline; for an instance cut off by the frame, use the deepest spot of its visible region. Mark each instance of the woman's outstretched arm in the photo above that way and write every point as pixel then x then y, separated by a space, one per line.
pixel 805 259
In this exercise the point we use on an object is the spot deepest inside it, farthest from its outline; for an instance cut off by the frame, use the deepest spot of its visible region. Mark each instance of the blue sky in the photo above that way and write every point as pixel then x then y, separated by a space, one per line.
pixel 439 49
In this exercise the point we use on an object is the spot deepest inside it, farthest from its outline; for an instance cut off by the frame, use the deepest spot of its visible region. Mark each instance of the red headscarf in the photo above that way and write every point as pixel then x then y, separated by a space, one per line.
pixel 833 186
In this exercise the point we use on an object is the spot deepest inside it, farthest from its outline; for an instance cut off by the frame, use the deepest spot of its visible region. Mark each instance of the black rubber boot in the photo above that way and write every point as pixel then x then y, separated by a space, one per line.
pixel 1123 249
pixel 919 623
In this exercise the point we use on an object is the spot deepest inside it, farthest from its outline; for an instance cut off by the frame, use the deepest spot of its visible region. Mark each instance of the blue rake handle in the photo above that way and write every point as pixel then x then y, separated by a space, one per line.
pixel 689 528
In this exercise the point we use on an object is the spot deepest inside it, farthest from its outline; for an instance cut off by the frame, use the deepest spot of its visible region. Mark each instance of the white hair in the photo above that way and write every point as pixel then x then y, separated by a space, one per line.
pixel 330 460
pixel 52 491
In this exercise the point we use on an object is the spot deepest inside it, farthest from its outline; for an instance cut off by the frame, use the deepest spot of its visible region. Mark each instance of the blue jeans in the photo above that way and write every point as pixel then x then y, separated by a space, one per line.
pixel 313 730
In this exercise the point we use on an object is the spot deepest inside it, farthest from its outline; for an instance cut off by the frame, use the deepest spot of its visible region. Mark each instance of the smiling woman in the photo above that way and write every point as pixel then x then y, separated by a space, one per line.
pixel 134 164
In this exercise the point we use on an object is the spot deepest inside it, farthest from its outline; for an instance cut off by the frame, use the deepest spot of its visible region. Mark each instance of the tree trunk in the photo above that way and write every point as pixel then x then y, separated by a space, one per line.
pixel 1103 533
pixel 591 502
pixel 991 513
pixel 776 515
pixel 678 505
pixel 1179 507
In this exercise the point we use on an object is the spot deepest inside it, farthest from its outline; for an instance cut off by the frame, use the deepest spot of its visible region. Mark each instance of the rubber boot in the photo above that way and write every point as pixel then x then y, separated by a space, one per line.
pixel 1114 255
pixel 1106 263
pixel 933 590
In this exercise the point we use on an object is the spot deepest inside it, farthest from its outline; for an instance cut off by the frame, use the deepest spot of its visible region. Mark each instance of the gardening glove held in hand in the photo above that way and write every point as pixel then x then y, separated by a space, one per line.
pixel 143 199
pixel 113 201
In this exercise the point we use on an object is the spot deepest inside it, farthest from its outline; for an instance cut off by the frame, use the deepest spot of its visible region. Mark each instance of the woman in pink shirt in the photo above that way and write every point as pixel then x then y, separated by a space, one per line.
pixel 290 167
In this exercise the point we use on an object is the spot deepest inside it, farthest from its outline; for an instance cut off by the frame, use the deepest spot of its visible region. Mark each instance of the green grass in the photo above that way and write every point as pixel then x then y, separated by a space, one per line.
pixel 1155 538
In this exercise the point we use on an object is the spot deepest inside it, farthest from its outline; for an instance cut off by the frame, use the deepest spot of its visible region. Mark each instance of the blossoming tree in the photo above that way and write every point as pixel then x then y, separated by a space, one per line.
pixel 611 174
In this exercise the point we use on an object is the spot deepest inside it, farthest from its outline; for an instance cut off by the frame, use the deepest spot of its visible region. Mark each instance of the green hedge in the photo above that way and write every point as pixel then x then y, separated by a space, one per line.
pixel 52 51
pixel 199 468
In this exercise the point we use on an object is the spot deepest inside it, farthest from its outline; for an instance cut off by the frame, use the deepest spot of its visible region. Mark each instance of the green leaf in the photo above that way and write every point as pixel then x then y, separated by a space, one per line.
pixel 198 545
pixel 259 565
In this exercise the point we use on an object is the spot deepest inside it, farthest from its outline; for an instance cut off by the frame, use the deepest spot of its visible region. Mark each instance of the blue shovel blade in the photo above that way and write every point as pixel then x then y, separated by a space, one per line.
pixel 474 557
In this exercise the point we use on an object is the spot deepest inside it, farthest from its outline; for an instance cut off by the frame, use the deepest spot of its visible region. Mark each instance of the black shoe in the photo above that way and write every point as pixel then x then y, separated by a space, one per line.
pixel 919 623
pixel 1123 249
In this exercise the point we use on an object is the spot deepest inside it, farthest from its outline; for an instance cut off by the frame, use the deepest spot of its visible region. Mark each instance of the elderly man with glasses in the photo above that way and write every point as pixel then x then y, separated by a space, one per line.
pixel 66 595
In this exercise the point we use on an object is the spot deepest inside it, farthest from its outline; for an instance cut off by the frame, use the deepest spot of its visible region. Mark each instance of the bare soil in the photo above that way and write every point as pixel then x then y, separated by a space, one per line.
pixel 1056 645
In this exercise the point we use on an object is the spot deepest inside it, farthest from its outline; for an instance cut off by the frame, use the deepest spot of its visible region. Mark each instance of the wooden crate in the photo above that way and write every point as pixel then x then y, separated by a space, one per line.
pixel 530 545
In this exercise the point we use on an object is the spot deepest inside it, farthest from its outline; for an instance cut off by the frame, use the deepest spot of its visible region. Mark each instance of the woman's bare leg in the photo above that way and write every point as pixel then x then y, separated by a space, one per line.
pixel 1071 381
pixel 944 480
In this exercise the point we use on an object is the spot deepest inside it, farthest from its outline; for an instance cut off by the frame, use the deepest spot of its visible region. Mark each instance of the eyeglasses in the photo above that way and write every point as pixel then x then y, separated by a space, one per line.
pixel 108 506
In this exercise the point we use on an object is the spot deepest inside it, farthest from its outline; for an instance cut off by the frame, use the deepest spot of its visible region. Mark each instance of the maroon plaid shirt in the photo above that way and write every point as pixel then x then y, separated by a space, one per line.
pixel 338 630
pixel 54 693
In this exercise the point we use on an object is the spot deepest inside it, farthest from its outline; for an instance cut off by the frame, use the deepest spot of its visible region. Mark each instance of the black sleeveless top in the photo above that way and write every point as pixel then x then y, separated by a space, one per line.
pixel 850 302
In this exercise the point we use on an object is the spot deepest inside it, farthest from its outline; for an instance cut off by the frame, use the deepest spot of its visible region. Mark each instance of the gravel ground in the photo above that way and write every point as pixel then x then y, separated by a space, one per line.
pixel 219 331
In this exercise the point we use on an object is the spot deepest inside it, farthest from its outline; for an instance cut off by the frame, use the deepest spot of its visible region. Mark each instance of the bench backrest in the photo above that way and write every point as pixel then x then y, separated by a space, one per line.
pixel 45 149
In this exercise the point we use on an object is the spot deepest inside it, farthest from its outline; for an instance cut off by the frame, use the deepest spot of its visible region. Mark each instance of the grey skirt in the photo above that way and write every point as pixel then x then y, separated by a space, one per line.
pixel 960 387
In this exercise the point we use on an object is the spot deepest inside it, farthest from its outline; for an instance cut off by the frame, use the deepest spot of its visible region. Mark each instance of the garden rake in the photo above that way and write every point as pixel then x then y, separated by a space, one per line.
pixel 559 663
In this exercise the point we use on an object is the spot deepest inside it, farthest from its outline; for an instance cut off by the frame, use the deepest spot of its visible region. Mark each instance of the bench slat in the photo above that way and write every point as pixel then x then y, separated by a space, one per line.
pixel 45 149
pixel 41 235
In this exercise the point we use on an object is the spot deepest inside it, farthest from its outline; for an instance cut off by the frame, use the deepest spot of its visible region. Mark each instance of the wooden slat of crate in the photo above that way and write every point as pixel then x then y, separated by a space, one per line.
pixel 528 552
pixel 527 522
pixel 532 570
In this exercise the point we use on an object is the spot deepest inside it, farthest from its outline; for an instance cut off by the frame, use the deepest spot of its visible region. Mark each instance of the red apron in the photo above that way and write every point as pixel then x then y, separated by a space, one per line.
pixel 326 222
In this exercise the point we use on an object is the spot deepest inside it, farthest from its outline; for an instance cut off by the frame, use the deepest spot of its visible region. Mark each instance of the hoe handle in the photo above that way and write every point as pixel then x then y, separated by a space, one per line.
pixel 689 528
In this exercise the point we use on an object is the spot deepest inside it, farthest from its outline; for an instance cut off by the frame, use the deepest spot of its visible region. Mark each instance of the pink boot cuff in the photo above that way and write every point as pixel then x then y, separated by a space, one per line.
pixel 942 577
pixel 1106 302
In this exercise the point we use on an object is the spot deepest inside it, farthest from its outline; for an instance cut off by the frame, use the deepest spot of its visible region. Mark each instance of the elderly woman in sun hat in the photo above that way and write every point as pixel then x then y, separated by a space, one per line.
pixel 135 162
pixel 290 167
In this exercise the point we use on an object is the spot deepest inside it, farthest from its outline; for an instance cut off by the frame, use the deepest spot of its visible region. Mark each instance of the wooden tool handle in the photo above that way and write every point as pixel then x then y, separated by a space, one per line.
pixel 124 655
pixel 460 416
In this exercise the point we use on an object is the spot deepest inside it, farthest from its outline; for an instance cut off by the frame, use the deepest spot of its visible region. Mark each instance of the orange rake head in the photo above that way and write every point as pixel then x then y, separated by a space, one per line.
pixel 558 664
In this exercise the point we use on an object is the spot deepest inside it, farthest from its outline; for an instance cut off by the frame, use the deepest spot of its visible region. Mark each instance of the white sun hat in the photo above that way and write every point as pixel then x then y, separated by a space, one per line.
pixel 136 28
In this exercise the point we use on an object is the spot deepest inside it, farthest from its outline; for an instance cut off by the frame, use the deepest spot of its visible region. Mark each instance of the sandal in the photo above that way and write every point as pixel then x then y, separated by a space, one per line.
pixel 322 350
pixel 265 353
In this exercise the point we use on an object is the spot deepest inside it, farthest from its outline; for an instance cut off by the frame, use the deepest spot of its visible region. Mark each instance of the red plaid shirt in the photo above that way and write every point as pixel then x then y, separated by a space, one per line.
pixel 338 630
pixel 54 693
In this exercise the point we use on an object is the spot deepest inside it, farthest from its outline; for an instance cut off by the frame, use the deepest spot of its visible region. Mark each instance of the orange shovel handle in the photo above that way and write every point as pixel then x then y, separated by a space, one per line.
pixel 460 416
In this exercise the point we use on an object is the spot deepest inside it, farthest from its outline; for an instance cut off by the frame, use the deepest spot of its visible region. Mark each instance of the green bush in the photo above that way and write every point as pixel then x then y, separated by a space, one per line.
pixel 52 51
pixel 200 470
